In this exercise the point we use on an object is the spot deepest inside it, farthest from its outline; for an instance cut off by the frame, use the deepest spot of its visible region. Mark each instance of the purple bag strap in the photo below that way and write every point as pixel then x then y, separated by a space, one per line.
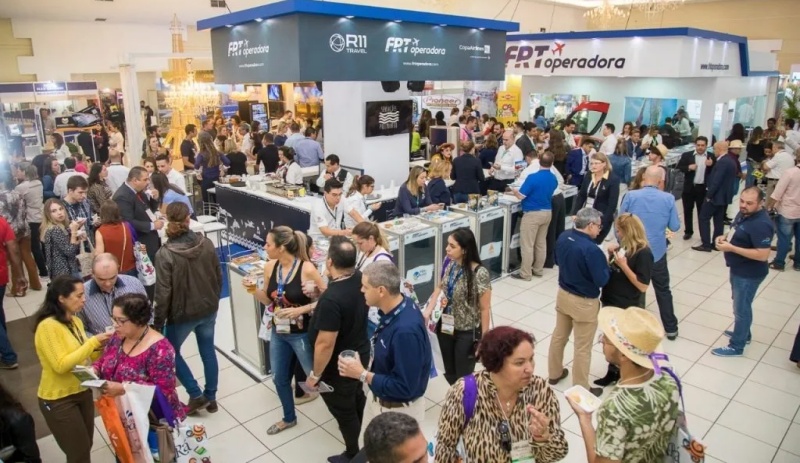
pixel 131 231
pixel 162 409
pixel 445 263
pixel 470 398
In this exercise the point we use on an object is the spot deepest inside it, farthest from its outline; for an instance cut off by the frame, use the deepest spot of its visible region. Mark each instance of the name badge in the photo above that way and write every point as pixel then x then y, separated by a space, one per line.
pixel 282 325
pixel 731 232
pixel 589 202
pixel 521 452
pixel 448 324
pixel 152 215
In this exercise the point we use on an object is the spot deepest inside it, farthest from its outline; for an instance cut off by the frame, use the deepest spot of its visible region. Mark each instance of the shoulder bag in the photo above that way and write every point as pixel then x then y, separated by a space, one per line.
pixel 144 266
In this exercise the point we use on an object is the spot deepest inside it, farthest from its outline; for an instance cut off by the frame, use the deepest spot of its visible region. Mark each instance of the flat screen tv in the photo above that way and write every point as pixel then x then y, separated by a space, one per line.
pixel 388 117
pixel 275 92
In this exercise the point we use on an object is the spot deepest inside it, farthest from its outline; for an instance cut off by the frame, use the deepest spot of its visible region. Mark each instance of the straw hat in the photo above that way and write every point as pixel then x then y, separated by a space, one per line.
pixel 48 148
pixel 636 332
pixel 735 145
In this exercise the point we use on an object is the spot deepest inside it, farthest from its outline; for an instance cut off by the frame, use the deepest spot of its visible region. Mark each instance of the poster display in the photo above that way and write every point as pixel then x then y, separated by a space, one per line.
pixel 556 107
pixel 749 111
pixel 649 111
pixel 508 104
pixel 483 96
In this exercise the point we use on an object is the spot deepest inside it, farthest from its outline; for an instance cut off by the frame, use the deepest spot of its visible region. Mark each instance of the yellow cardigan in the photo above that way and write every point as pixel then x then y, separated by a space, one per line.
pixel 59 352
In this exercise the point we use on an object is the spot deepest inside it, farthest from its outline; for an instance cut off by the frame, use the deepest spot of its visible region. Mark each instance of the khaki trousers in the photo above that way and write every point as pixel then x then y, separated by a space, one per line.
pixel 533 242
pixel 415 409
pixel 578 314
pixel 28 264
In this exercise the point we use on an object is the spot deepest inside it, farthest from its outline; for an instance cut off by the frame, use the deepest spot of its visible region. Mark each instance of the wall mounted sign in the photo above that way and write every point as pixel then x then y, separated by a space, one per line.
pixel 341 49
pixel 388 117
pixel 50 88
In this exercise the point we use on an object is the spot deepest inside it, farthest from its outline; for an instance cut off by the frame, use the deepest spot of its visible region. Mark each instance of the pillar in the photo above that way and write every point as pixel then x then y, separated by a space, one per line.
pixel 133 118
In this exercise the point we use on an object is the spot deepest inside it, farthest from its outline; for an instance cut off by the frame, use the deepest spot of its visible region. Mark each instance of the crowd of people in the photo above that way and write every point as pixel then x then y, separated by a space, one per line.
pixel 349 329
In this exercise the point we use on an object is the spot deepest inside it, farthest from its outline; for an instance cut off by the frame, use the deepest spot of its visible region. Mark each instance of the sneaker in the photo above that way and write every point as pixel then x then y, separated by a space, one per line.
pixel 517 276
pixel 196 404
pixel 212 407
pixel 8 365
pixel 672 336
pixel 726 351
pixel 729 334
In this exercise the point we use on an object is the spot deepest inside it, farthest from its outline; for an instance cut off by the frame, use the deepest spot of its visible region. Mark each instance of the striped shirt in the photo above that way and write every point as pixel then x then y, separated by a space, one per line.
pixel 96 313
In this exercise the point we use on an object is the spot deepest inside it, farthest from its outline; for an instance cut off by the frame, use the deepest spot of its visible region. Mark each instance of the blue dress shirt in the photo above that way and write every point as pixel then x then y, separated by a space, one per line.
pixel 656 209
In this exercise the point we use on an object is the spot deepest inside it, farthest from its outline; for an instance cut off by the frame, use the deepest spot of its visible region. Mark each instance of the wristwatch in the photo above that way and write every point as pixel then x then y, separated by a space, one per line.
pixel 363 376
pixel 312 375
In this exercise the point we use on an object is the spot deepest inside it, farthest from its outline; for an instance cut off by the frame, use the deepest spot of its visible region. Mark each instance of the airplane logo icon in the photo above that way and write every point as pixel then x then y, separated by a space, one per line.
pixel 557 47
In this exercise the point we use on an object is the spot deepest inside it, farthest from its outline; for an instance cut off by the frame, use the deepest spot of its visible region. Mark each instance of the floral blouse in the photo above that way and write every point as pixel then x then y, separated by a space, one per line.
pixel 467 315
pixel 59 253
pixel 481 437
pixel 155 366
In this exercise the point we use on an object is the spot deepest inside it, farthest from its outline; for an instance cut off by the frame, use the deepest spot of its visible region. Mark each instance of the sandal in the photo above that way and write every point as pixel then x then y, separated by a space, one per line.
pixel 280 427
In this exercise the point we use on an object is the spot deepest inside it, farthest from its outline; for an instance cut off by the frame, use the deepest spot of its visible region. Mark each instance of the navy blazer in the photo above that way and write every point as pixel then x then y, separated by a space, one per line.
pixel 606 198
pixel 721 184
pixel 468 174
pixel 439 192
pixel 575 165
pixel 410 204
pixel 635 151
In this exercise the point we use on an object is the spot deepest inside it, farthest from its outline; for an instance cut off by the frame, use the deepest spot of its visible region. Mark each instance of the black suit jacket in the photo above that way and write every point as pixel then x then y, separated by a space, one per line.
pixel 525 145
pixel 687 159
pixel 723 181
pixel 133 209
pixel 605 200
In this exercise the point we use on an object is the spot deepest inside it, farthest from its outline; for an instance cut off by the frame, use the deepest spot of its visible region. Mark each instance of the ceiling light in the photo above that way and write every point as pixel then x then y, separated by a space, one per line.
pixel 258 20
pixel 655 7
pixel 604 14
pixel 349 16
pixel 443 25
pixel 398 20
pixel 228 25
pixel 482 28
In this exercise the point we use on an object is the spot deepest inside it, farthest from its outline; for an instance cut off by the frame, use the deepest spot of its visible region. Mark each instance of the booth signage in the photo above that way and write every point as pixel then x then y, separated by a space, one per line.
pixel 388 117
pixel 307 47
pixel 443 102
pixel 50 88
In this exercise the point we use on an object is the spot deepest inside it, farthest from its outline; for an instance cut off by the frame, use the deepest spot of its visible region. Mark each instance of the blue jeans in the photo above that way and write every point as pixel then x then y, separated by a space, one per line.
pixel 744 291
pixel 281 348
pixel 787 228
pixel 6 351
pixel 204 333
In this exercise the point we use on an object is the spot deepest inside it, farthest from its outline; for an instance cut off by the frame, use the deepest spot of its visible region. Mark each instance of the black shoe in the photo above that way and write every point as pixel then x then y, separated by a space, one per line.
pixel 341 458
pixel 597 391
pixel 701 248
pixel 212 407
pixel 687 236
pixel 196 405
pixel 611 377
pixel 564 374
pixel 8 366
pixel 672 336
pixel 517 276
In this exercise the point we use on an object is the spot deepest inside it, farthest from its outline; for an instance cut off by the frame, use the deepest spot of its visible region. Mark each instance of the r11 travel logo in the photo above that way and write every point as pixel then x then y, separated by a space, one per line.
pixel 350 43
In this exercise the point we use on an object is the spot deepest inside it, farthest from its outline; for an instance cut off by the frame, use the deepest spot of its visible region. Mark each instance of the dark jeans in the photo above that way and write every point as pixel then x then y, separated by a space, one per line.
pixel 660 279
pixel 743 291
pixel 6 351
pixel 707 213
pixel 71 420
pixel 36 249
pixel 204 333
pixel 458 355
pixel 556 228
pixel 787 229
pixel 795 357
pixel 460 198
pixel 692 197
pixel 346 404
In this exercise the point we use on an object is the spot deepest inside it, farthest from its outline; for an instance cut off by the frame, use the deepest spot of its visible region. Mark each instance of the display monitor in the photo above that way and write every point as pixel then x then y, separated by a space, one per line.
pixel 388 117
pixel 275 92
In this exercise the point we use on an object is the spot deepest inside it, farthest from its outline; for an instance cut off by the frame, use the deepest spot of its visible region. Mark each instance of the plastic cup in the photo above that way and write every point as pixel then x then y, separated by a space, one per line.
pixel 348 354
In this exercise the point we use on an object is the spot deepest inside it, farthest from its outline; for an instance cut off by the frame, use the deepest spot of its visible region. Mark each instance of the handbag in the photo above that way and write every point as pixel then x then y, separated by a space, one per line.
pixel 144 266
pixel 85 259
pixel 683 447
pixel 117 436
pixel 191 444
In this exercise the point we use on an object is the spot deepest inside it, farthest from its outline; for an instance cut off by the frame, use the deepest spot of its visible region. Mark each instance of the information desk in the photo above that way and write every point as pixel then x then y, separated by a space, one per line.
pixel 416 252
pixel 489 225
pixel 252 213
pixel 446 223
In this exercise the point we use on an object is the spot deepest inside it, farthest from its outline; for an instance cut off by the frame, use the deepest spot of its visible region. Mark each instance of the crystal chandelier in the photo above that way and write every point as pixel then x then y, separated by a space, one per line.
pixel 190 96
pixel 604 14
pixel 656 7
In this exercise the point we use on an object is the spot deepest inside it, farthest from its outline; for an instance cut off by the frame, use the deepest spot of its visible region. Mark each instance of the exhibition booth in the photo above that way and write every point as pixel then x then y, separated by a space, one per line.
pixel 367 61
pixel 645 75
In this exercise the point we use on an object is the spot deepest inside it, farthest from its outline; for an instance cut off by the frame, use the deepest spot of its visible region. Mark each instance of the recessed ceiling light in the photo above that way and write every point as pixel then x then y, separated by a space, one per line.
pixel 443 25
pixel 398 21
pixel 349 16
pixel 482 28
pixel 258 20
pixel 228 25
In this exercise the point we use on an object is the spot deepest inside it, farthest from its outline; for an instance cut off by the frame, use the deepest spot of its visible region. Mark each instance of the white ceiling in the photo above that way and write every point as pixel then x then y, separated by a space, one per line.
pixel 190 11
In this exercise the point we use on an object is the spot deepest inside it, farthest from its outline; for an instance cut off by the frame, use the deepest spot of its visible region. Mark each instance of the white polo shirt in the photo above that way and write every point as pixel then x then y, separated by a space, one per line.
pixel 323 216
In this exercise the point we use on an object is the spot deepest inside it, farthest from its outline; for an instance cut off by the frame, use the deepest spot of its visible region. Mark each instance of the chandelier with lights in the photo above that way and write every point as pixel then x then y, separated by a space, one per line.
pixel 191 96
pixel 604 14
pixel 656 7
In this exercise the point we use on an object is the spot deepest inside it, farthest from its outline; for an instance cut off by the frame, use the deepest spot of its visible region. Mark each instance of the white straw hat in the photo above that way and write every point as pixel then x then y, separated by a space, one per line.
pixel 636 332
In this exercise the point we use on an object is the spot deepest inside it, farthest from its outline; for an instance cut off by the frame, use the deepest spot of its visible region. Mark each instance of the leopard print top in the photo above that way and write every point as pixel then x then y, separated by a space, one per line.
pixel 481 438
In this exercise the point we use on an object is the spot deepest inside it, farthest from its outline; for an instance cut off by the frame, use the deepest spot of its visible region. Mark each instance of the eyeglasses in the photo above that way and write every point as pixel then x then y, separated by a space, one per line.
pixel 598 224
pixel 505 435
pixel 120 321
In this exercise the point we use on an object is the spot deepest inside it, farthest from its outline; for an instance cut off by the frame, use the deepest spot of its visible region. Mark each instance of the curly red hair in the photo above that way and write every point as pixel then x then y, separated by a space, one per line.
pixel 499 343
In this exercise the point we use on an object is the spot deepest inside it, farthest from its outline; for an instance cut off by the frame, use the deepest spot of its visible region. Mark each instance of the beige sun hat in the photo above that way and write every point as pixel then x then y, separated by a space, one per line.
pixel 735 145
pixel 636 332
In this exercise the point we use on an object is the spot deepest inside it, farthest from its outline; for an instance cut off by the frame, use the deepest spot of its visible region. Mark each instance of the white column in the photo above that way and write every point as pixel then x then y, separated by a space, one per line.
pixel 706 119
pixel 133 118
pixel 344 120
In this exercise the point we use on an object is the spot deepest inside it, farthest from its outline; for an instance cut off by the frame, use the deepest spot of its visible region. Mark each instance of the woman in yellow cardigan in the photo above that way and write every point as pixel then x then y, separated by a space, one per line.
pixel 62 344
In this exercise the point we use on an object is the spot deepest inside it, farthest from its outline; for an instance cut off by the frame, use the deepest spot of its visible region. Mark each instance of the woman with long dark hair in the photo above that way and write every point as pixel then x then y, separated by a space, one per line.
pixel 99 191
pixel 466 305
pixel 737 133
pixel 17 430
pixel 61 345
pixel 168 193
pixel 209 162
pixel 289 171
pixel 558 146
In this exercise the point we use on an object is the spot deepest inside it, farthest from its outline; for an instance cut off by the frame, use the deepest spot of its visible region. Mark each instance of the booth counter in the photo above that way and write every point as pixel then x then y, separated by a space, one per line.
pixel 413 244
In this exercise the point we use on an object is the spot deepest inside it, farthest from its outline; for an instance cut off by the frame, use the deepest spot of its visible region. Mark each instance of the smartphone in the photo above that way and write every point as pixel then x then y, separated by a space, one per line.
pixel 322 388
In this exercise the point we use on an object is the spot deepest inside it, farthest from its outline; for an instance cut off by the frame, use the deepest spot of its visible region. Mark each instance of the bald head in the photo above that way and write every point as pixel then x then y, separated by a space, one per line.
pixel 652 176
pixel 720 147
pixel 105 270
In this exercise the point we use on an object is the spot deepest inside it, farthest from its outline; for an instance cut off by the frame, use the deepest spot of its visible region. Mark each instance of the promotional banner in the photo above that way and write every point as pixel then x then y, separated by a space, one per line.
pixel 624 57
pixel 483 96
pixel 508 104
pixel 341 49
pixel 556 107
pixel 444 102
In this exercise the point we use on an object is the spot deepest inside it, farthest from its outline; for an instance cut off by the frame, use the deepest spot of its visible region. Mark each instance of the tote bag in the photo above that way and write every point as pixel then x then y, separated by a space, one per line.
pixel 117 436
pixel 191 444
pixel 134 410
pixel 144 266
pixel 85 259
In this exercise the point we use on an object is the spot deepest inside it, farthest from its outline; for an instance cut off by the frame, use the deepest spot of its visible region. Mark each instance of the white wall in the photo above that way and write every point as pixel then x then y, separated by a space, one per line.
pixel 344 113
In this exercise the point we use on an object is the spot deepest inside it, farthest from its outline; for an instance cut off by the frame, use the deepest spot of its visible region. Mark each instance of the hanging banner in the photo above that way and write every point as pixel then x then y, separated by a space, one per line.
pixel 444 102
pixel 507 107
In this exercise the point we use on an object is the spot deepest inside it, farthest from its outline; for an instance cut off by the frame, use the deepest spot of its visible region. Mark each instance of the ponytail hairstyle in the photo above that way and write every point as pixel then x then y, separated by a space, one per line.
pixel 367 230
pixel 360 182
pixel 177 219
pixel 294 242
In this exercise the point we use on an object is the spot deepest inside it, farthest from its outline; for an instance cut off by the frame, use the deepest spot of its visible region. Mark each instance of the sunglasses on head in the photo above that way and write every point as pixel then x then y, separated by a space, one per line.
pixel 505 435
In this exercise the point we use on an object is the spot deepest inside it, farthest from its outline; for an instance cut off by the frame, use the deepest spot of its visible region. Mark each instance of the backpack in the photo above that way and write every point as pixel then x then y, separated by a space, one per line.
pixel 674 182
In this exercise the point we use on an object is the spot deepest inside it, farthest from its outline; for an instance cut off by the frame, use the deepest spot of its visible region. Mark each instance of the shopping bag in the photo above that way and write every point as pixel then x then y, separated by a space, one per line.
pixel 134 409
pixel 145 267
pixel 85 259
pixel 265 329
pixel 164 443
pixel 683 447
pixel 162 410
pixel 191 444
pixel 117 436
pixel 437 367
pixel 436 314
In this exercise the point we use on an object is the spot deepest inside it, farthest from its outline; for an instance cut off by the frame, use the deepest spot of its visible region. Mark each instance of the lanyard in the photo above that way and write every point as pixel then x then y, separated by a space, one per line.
pixel 79 337
pixel 127 354
pixel 282 282
pixel 384 323
pixel 332 212
pixel 364 257
pixel 452 280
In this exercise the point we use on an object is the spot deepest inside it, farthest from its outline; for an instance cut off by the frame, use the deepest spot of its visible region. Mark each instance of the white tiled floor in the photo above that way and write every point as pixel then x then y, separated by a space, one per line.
pixel 745 409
